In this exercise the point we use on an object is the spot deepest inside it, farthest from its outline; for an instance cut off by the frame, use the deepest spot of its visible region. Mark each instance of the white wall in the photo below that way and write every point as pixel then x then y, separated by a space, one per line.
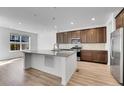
pixel 46 37
pixel 46 40
pixel 5 52
pixel 110 28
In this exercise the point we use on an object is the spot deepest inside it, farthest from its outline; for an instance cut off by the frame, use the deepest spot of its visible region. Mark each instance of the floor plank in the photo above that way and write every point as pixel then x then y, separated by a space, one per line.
pixel 90 74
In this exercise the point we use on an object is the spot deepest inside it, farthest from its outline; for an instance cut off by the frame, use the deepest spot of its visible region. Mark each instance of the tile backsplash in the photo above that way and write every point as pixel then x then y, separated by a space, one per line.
pixel 91 46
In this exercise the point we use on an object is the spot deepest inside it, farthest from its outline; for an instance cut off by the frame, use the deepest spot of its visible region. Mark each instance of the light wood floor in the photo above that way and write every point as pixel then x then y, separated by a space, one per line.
pixel 90 74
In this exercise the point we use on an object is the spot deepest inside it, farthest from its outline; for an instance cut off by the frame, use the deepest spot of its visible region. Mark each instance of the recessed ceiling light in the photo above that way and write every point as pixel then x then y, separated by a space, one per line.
pixel 93 19
pixel 55 26
pixel 72 23
pixel 34 14
pixel 53 18
pixel 19 23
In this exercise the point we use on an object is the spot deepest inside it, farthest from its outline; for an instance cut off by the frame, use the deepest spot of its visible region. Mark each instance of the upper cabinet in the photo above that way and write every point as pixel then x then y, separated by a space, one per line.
pixel 75 34
pixel 57 37
pixel 60 38
pixel 65 37
pixel 120 19
pixel 69 37
pixel 93 35
pixel 101 35
pixel 83 35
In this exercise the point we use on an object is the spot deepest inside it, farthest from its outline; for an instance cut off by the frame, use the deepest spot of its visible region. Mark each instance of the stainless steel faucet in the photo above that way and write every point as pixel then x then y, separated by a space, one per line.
pixel 56 47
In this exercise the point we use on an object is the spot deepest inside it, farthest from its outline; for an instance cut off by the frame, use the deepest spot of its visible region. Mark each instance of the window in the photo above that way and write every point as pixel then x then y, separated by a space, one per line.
pixel 15 46
pixel 19 42
pixel 25 42
pixel 14 38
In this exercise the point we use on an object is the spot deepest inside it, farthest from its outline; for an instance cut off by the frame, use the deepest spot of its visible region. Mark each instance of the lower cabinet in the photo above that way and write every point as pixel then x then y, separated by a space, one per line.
pixel 94 56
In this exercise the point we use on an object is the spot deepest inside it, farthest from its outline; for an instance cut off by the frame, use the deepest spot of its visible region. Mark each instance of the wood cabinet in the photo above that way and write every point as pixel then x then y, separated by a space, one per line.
pixel 93 35
pixel 65 38
pixel 120 19
pixel 83 34
pixel 100 56
pixel 94 56
pixel 86 55
pixel 69 37
pixel 123 18
pixel 60 38
pixel 101 35
pixel 75 34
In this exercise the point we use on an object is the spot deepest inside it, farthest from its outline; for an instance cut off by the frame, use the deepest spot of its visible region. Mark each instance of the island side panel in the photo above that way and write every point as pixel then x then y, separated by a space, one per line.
pixel 69 67
pixel 47 63
pixel 37 61
pixel 27 60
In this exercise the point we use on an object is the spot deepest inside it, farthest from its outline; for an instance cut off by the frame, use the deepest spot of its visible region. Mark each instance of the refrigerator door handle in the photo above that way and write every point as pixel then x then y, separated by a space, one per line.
pixel 111 53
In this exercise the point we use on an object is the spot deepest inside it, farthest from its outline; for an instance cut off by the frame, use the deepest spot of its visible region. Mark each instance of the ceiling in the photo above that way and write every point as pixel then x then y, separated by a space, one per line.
pixel 54 18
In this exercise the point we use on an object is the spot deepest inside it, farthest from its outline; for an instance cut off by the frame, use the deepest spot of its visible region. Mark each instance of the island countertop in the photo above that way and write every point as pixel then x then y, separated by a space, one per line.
pixel 60 53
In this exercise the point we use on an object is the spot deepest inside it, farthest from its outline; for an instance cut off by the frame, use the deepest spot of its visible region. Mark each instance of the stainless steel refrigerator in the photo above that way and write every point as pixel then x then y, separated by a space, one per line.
pixel 116 59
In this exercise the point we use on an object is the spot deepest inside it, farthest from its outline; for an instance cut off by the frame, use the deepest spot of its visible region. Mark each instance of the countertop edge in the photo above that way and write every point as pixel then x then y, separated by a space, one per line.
pixel 59 55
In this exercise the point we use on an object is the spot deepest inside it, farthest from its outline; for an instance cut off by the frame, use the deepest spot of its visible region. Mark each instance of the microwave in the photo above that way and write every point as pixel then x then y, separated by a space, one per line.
pixel 75 41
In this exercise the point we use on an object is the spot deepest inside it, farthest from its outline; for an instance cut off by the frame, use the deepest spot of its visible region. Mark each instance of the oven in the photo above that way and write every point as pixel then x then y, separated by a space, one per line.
pixel 78 55
pixel 77 49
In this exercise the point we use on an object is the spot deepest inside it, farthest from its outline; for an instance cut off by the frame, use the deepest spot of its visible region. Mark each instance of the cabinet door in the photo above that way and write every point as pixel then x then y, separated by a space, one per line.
pixel 88 36
pixel 65 39
pixel 123 18
pixel 100 56
pixel 69 37
pixel 61 36
pixel 58 37
pixel 101 35
pixel 78 34
pixel 94 36
pixel 75 34
pixel 91 36
pixel 83 36
pixel 119 20
pixel 86 55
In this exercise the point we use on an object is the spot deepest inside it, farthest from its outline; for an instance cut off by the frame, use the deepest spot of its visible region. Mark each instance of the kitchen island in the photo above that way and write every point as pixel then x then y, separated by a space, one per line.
pixel 59 63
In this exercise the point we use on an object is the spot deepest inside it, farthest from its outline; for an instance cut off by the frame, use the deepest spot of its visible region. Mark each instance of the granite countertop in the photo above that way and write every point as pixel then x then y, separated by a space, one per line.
pixel 61 53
